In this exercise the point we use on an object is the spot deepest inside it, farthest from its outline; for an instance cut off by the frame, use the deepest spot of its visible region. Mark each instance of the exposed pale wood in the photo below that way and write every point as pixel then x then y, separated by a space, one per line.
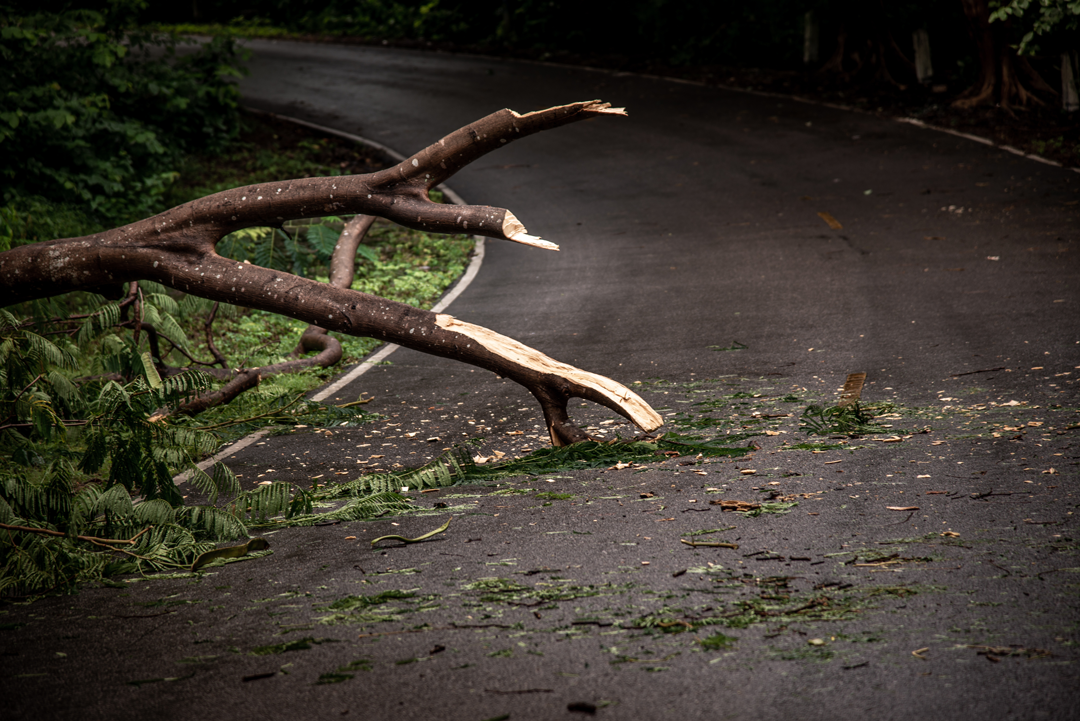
pixel 633 407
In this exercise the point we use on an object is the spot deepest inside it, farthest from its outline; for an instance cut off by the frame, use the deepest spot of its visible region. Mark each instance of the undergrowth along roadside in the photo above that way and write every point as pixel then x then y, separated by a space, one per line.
pixel 86 489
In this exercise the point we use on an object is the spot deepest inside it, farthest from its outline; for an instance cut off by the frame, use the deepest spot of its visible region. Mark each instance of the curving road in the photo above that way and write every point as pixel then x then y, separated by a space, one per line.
pixel 951 278
pixel 695 222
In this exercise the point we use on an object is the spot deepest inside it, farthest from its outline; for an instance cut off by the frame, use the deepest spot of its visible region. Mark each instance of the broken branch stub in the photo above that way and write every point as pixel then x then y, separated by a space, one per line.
pixel 177 249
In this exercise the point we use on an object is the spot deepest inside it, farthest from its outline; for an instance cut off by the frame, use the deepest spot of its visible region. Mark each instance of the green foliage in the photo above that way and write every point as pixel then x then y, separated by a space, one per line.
pixel 99 117
pixel 852 420
pixel 1054 20
pixel 84 448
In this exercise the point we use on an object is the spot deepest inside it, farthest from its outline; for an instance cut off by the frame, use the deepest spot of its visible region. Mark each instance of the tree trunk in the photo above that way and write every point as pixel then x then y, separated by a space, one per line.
pixel 177 249
pixel 998 83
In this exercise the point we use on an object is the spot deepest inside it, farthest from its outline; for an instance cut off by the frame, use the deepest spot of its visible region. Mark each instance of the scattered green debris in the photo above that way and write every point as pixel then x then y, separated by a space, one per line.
pixel 774 507
pixel 851 420
pixel 718 642
pixel 300 644
pixel 344 673
pixel 736 345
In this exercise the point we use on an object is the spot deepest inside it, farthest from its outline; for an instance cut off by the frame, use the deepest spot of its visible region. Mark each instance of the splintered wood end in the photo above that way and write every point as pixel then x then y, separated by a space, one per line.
pixel 515 231
pixel 587 106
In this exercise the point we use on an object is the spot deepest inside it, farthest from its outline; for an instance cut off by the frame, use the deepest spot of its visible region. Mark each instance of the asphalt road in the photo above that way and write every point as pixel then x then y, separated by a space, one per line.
pixel 697 266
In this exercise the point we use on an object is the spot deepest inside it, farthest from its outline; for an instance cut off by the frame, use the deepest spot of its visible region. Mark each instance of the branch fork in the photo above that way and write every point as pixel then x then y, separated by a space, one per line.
pixel 177 249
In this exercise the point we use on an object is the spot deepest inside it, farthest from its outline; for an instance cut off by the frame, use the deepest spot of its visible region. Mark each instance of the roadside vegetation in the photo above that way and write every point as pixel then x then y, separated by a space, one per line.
pixel 107 125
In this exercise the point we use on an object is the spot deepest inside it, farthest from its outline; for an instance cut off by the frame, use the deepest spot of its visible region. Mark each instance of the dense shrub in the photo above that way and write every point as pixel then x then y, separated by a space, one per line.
pixel 94 120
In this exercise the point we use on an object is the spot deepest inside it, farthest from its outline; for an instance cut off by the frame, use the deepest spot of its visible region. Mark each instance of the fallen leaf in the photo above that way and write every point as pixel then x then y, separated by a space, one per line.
pixel 828 218
pixel 255 544
pixel 427 535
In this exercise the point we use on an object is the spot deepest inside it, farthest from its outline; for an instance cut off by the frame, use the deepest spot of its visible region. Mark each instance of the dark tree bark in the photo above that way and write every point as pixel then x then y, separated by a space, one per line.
pixel 177 249
pixel 998 82
pixel 865 44
pixel 314 339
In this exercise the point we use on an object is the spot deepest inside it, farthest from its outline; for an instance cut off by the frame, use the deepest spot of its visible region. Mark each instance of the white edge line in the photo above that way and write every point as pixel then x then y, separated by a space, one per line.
pixel 380 355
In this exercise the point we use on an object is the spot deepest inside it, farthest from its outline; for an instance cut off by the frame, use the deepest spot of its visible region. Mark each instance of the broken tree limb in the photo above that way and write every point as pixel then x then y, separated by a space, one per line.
pixel 584 384
pixel 399 194
pixel 177 249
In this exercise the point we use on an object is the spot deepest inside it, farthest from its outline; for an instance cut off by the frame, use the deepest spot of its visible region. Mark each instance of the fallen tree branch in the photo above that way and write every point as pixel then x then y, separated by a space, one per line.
pixel 177 249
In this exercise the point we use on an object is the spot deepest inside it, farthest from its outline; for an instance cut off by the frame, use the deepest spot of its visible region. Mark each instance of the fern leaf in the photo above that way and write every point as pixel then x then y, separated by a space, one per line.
pixel 323 240
pixel 164 303
pixel 150 370
pixel 214 522
pixel 155 511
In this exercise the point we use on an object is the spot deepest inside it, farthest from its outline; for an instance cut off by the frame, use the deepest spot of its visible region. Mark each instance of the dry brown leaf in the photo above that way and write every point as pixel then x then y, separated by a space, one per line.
pixel 828 218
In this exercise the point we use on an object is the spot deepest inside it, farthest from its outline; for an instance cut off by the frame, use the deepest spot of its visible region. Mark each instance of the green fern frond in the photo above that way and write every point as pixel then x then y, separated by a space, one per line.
pixel 212 522
pixel 107 315
pixel 168 325
pixel 62 386
pixel 7 513
pixel 190 381
pixel 150 370
pixel 263 503
pixel 155 512
pixel 113 503
pixel 359 509
pixel 224 480
pixel 164 302
pixel 45 351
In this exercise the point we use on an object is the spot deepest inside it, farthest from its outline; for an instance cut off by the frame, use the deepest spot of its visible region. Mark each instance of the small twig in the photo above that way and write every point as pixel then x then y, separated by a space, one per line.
pixel 91 539
pixel 710 544
pixel 359 402
pixel 208 327
pixel 253 418
pixel 137 308
pixel 984 370
pixel 29 425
